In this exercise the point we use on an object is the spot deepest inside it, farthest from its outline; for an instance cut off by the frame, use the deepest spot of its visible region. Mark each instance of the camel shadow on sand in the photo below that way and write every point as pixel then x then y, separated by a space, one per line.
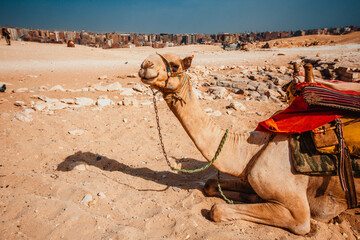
pixel 166 178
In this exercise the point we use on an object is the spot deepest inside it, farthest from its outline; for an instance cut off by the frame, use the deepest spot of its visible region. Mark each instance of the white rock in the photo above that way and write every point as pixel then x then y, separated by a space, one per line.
pixel 77 132
pixel 85 89
pixel 102 77
pixel 57 88
pixel 237 106
pixel 83 101
pixel 125 120
pixel 127 92
pixel 116 86
pixel 19 103
pixel 67 101
pixel 103 102
pixel 100 88
pixel 21 90
pixel 39 105
pixel 146 103
pixel 56 105
pixel 32 76
pixel 23 116
pixel 216 113
pixel 229 112
pixel 208 110
pixel 139 88
pixel 88 198
pixel 101 195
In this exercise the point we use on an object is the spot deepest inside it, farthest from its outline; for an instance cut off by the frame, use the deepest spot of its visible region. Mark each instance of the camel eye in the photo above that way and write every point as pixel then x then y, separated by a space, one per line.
pixel 174 67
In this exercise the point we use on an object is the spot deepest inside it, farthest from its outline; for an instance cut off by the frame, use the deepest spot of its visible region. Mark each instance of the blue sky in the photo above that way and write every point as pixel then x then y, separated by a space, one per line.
pixel 184 16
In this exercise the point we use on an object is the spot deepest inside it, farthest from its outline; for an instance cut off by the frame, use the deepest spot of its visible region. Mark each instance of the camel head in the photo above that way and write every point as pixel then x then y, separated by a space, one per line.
pixel 164 72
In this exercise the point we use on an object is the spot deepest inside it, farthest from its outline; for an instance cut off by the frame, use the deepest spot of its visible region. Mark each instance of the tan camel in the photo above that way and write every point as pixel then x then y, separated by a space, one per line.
pixel 70 43
pixel 274 194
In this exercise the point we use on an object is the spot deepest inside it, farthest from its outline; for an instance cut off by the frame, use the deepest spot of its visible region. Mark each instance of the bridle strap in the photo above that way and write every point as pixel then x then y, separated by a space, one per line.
pixel 167 64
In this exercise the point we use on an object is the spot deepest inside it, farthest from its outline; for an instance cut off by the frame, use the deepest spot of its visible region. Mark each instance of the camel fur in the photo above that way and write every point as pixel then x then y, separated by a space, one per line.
pixel 270 192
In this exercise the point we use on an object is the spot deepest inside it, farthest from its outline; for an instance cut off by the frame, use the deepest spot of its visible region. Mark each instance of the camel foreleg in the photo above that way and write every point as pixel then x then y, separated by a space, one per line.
pixel 295 219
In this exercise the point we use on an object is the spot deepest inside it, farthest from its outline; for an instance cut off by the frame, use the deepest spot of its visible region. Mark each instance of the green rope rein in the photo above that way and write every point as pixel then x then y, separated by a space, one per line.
pixel 208 165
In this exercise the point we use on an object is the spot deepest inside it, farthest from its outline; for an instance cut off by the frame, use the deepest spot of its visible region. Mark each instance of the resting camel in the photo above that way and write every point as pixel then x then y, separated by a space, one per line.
pixel 269 190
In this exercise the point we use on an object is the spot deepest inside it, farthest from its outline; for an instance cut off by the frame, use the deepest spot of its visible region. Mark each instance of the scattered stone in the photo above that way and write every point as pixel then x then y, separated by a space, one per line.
pixel 208 110
pixel 216 113
pixel 77 132
pixel 237 106
pixel 176 189
pixel 127 92
pixel 67 101
pixel 103 77
pixel 21 90
pixel 87 199
pixel 218 92
pixel 134 75
pixel 146 103
pixel 19 103
pixel 57 88
pixel 139 88
pixel 125 120
pixel 129 101
pixel 24 116
pixel 103 101
pixel 229 112
pixel 100 88
pixel 101 195
pixel 83 101
pixel 116 86
pixel 39 106
pixel 32 76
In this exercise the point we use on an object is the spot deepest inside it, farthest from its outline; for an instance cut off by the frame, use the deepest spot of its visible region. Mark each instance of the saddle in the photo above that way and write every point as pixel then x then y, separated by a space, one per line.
pixel 337 144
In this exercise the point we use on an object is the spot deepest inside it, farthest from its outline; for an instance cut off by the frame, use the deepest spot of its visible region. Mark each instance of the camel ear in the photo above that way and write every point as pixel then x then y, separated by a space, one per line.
pixel 186 62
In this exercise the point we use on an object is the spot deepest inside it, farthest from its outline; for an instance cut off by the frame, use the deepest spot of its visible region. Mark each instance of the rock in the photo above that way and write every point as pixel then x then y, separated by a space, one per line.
pixel 236 106
pixel 176 189
pixel 77 132
pixel 24 116
pixel 139 88
pixel 134 75
pixel 87 199
pixel 103 77
pixel 125 120
pixel 130 101
pixel 127 92
pixel 57 88
pixel 101 195
pixel 223 83
pixel 32 76
pixel 21 90
pixel 215 113
pixel 116 86
pixel 83 101
pixel 103 101
pixel 56 105
pixel 68 101
pixel 100 88
pixel 146 103
pixel 39 106
pixel 19 103
pixel 229 112
pixel 218 92
pixel 208 110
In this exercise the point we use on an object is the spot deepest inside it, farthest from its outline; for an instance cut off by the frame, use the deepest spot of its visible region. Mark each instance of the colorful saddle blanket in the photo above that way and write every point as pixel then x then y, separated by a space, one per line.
pixel 308 160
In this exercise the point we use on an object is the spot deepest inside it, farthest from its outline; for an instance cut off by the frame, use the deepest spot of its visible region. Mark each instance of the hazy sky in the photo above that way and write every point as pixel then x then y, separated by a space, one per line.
pixel 183 16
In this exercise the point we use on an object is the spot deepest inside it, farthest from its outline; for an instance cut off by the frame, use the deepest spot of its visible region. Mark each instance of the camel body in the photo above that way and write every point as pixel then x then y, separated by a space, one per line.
pixel 270 192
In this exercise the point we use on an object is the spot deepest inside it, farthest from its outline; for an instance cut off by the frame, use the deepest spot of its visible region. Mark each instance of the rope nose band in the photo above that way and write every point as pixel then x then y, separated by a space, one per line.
pixel 168 69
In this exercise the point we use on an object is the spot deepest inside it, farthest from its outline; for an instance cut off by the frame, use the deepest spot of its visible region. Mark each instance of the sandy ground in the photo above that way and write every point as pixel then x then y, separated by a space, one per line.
pixel 45 172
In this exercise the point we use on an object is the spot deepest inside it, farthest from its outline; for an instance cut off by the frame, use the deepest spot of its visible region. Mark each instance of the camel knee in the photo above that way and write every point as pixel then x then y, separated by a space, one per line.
pixel 216 213
pixel 301 225
pixel 210 187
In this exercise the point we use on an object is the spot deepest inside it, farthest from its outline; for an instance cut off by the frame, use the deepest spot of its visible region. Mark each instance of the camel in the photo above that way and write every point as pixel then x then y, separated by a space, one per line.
pixel 70 43
pixel 268 189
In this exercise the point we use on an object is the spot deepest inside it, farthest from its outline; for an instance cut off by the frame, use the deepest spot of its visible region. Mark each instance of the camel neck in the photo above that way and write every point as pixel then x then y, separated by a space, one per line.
pixel 238 148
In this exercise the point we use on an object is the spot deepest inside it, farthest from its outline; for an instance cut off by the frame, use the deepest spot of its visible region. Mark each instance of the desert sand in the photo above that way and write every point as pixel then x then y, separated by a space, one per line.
pixel 97 171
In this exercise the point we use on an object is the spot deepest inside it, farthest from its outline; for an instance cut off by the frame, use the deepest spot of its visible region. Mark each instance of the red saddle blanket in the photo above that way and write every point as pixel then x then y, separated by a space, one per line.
pixel 301 117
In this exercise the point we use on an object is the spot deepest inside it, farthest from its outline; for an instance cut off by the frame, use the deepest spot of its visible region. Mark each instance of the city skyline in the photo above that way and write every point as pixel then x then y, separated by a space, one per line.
pixel 179 17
